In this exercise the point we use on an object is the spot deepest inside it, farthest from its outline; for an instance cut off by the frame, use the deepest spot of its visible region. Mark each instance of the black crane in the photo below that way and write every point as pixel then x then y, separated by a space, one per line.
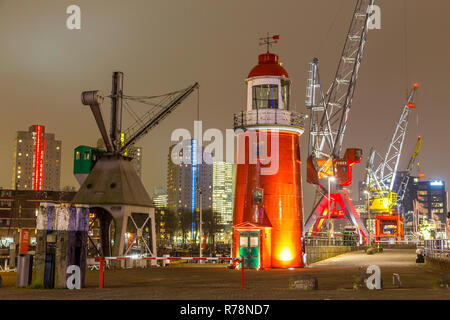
pixel 113 142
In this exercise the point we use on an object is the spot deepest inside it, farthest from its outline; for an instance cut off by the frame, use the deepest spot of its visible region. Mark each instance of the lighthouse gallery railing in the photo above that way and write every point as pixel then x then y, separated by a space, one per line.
pixel 268 117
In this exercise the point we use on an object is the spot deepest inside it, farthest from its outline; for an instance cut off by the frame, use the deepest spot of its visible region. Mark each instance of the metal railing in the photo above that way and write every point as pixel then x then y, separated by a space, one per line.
pixel 268 117
pixel 336 239
pixel 437 249
pixel 240 264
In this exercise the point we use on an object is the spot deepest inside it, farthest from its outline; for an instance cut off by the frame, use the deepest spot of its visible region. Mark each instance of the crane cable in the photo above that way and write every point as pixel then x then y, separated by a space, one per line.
pixel 406 70
pixel 405 43
pixel 330 28
pixel 153 97
pixel 131 112
pixel 142 99
pixel 198 104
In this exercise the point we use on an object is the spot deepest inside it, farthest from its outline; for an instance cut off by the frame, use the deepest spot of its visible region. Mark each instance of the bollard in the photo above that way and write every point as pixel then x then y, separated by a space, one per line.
pixel 396 278
pixel 165 261
pixel 101 269
pixel 242 273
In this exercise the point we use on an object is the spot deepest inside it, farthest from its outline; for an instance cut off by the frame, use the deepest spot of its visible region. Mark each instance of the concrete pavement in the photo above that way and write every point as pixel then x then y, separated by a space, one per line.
pixel 191 282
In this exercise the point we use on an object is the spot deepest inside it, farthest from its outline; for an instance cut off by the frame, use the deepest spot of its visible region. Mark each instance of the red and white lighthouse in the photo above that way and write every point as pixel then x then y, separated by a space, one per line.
pixel 268 209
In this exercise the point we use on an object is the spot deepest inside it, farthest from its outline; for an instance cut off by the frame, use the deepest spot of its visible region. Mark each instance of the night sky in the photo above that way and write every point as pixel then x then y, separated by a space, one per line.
pixel 166 45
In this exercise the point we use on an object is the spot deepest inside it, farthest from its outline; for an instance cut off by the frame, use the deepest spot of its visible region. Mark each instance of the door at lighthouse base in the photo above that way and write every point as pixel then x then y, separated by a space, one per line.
pixel 249 248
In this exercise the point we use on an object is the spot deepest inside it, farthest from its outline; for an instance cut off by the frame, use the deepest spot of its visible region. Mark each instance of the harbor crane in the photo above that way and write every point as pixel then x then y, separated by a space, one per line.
pixel 118 140
pixel 380 178
pixel 142 125
pixel 329 114
pixel 109 183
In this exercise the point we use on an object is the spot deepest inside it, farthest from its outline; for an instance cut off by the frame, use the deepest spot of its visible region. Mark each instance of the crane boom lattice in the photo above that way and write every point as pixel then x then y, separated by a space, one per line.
pixel 329 114
pixel 330 111
pixel 405 180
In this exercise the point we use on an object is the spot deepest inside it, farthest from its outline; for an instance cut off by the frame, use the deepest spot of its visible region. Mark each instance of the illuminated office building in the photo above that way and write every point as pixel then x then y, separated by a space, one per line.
pixel 223 191
pixel 160 197
pixel 37 160
pixel 185 178
pixel 432 196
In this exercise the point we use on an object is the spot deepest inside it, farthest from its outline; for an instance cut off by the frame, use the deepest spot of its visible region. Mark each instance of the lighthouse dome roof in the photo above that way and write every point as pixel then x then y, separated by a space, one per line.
pixel 268 65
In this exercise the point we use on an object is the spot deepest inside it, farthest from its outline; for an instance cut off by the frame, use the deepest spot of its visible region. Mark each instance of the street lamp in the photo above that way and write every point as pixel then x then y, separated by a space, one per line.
pixel 329 207
pixel 200 224
pixel 368 216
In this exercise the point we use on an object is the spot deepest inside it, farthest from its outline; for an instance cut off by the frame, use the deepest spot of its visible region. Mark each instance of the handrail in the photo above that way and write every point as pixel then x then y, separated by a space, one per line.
pixel 437 249
pixel 268 117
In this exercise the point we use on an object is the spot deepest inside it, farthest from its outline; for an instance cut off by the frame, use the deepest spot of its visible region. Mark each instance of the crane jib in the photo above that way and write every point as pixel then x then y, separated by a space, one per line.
pixel 330 111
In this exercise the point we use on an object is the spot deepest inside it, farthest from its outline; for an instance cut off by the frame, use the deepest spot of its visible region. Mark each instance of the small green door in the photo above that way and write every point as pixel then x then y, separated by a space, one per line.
pixel 249 248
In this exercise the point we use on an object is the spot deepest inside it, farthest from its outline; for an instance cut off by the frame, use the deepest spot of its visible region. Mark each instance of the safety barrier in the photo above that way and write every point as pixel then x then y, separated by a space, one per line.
pixel 437 249
pixel 103 259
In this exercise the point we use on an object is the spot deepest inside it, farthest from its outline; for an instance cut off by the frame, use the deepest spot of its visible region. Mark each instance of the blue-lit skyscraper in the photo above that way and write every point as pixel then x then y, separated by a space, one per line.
pixel 183 180
pixel 194 177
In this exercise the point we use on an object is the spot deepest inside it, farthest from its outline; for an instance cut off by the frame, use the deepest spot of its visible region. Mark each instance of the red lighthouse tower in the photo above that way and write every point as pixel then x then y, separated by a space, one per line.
pixel 268 209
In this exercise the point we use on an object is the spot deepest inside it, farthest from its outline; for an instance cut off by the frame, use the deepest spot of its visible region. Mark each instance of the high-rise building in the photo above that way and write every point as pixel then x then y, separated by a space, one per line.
pixel 223 191
pixel 160 197
pixel 223 179
pixel 37 160
pixel 433 197
pixel 185 178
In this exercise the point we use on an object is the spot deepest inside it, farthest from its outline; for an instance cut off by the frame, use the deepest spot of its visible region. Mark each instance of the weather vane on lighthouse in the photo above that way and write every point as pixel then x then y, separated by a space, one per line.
pixel 269 40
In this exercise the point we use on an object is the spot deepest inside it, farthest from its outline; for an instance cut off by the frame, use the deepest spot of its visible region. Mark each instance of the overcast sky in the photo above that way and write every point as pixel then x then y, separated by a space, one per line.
pixel 165 45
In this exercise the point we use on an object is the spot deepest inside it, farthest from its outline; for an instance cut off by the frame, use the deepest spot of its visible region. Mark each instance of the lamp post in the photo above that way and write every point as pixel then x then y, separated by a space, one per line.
pixel 200 224
pixel 368 217
pixel 329 208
